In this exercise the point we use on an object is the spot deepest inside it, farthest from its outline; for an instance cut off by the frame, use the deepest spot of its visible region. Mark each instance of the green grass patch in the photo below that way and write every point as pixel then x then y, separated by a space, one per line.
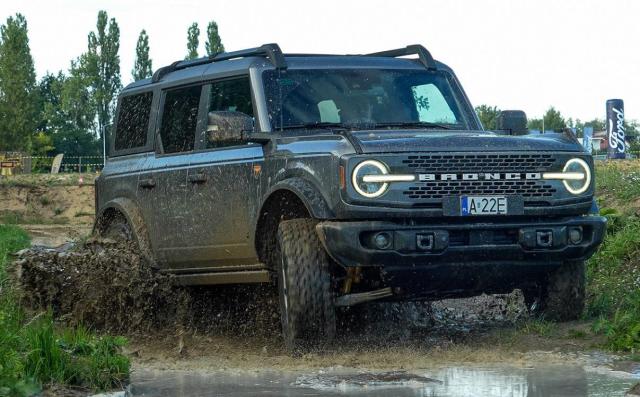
pixel 538 326
pixel 23 218
pixel 36 352
pixel 619 179
pixel 613 273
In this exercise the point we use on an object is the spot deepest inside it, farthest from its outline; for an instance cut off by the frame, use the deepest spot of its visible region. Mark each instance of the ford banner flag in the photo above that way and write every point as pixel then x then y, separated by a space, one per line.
pixel 587 138
pixel 615 129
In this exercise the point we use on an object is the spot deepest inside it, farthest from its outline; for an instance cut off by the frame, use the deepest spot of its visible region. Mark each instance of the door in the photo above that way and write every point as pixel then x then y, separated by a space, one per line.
pixel 163 185
pixel 223 188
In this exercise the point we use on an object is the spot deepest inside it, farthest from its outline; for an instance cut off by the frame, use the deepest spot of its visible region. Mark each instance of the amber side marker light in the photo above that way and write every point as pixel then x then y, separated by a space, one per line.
pixel 343 179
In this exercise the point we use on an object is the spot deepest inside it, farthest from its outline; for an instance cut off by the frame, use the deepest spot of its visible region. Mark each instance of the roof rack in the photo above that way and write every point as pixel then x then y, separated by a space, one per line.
pixel 415 49
pixel 270 51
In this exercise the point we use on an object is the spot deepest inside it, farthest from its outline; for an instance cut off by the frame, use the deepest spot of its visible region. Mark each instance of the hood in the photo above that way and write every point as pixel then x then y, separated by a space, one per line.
pixel 461 141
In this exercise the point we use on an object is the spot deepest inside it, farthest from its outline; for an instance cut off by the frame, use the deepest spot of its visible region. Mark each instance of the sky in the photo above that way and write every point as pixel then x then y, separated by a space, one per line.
pixel 514 54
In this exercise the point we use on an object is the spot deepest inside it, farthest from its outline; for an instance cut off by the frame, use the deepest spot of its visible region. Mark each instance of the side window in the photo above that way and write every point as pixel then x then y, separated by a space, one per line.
pixel 431 105
pixel 230 99
pixel 179 119
pixel 133 121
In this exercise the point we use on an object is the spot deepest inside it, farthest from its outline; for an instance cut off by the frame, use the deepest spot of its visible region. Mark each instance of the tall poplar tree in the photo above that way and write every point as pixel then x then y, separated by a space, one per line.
pixel 142 68
pixel 193 40
pixel 214 42
pixel 18 94
pixel 102 64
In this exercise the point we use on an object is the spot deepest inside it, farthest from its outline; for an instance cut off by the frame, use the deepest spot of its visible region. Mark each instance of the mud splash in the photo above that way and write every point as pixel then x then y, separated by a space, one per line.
pixel 107 285
pixel 102 285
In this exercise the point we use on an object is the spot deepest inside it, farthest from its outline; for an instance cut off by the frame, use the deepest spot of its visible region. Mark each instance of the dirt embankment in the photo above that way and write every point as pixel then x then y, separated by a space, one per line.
pixel 47 200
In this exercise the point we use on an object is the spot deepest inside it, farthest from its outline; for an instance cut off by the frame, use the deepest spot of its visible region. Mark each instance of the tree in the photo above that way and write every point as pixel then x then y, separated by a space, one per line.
pixel 18 95
pixel 69 111
pixel 488 116
pixel 142 68
pixel 214 42
pixel 101 64
pixel 193 41
pixel 551 121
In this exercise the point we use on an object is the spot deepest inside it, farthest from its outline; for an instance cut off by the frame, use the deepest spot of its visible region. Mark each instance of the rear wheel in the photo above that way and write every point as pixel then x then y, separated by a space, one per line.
pixel 561 296
pixel 118 229
pixel 307 310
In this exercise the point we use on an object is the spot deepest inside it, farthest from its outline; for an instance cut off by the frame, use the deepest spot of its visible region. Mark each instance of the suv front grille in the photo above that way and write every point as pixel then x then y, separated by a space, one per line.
pixel 439 189
pixel 484 162
pixel 457 163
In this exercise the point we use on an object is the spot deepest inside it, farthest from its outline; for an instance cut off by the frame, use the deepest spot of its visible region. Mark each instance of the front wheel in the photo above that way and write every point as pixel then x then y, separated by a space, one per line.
pixel 562 295
pixel 307 310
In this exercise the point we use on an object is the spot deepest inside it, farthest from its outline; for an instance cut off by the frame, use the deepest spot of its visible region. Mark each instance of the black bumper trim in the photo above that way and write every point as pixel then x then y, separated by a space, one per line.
pixel 347 242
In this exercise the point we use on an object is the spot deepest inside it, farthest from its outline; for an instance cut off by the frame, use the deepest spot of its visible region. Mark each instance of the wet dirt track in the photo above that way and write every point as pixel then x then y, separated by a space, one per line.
pixel 225 340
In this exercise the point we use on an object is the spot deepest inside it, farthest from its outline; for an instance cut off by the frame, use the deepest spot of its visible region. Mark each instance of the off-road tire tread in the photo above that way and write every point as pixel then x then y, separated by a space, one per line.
pixel 311 313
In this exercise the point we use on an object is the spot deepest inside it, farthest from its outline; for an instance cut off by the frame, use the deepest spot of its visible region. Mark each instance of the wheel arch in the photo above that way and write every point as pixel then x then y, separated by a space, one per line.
pixel 133 215
pixel 289 199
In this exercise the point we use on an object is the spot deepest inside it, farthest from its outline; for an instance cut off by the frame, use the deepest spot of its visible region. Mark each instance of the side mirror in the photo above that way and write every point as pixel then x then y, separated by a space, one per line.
pixel 513 122
pixel 224 127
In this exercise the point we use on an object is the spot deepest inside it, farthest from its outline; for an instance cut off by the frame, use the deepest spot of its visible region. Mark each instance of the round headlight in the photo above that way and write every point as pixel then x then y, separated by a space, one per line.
pixel 369 189
pixel 580 176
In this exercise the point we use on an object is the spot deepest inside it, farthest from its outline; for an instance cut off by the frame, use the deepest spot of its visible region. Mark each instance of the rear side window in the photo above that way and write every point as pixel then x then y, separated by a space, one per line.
pixel 179 119
pixel 133 121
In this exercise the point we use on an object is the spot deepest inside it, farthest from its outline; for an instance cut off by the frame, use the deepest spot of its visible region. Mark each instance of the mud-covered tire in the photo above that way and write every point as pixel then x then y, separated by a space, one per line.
pixel 562 296
pixel 119 230
pixel 307 308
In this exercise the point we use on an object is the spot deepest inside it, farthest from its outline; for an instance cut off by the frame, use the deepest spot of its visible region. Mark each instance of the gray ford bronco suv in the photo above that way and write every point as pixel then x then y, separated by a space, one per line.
pixel 346 178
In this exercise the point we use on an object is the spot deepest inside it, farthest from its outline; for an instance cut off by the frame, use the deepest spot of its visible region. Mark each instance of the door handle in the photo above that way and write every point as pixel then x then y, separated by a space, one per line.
pixel 199 177
pixel 148 183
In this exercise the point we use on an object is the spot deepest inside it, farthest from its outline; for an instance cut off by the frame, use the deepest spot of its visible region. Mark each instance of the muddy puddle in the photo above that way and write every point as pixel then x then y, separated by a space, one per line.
pixel 456 381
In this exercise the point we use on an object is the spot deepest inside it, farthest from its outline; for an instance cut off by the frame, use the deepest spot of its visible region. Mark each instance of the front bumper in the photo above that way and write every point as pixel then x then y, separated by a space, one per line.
pixel 353 243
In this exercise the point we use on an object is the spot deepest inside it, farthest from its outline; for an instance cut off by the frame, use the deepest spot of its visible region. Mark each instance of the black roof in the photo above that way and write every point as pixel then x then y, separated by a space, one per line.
pixel 271 54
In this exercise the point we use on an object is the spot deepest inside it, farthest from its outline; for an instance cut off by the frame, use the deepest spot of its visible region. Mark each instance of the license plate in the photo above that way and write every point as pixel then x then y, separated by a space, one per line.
pixel 483 205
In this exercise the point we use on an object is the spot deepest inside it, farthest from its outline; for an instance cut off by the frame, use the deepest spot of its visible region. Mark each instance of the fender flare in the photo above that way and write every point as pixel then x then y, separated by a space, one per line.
pixel 310 196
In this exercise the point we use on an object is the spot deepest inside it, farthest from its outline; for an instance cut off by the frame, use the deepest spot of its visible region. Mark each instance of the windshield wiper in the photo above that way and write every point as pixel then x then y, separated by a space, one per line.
pixel 315 125
pixel 411 124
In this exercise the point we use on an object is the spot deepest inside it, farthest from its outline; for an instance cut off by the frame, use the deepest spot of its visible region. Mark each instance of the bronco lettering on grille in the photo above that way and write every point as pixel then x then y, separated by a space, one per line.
pixel 487 176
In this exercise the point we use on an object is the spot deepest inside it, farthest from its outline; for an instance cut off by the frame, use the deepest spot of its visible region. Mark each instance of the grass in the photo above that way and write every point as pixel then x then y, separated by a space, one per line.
pixel 36 352
pixel 613 273
pixel 538 326
pixel 24 218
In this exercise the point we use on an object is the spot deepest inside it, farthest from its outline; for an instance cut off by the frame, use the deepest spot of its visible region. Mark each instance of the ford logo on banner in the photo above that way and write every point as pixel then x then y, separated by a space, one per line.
pixel 615 129
pixel 587 139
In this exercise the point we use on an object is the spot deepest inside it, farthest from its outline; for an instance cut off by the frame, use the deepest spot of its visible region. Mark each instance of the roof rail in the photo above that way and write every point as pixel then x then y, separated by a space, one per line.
pixel 270 51
pixel 414 49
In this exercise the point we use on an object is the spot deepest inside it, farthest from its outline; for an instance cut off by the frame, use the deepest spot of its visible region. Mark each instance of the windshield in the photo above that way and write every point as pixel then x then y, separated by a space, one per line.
pixel 363 97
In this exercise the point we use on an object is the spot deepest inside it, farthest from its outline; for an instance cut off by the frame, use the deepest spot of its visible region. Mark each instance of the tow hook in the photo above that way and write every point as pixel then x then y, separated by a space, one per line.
pixel 361 297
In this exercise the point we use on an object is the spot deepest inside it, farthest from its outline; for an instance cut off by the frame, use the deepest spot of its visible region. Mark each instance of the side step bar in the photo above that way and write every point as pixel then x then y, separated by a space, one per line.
pixel 361 297
pixel 253 276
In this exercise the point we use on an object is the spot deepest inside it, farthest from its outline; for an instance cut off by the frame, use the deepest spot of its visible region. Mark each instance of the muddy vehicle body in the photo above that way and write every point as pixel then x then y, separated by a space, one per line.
pixel 347 179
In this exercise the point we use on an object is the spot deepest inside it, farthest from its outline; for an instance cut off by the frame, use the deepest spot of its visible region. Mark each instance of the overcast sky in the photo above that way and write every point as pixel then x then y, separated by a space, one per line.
pixel 513 54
